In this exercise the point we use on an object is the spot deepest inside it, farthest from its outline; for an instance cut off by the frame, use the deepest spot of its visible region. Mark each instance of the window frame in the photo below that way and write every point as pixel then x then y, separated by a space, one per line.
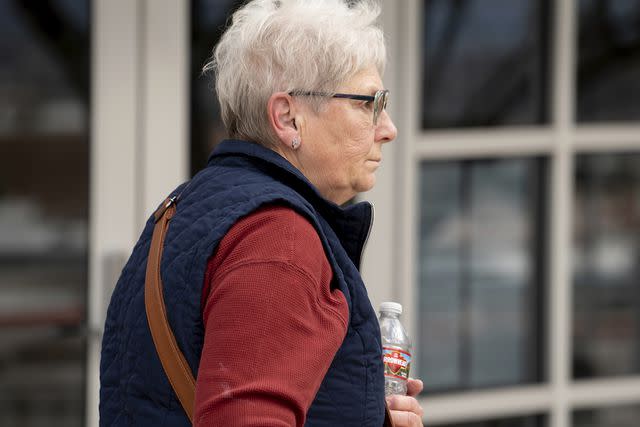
pixel 560 140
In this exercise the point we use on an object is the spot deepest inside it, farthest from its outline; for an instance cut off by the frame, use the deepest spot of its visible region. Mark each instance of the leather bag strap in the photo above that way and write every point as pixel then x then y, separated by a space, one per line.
pixel 173 361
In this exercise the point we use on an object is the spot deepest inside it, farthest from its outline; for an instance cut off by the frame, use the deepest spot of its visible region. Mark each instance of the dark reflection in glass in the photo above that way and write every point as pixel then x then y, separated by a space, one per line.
pixel 208 21
pixel 481 273
pixel 616 416
pixel 527 421
pixel 485 62
pixel 606 277
pixel 608 60
pixel 44 174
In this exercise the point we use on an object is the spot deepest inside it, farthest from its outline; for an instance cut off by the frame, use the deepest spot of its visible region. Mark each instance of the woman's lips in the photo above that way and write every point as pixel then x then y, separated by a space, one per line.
pixel 375 163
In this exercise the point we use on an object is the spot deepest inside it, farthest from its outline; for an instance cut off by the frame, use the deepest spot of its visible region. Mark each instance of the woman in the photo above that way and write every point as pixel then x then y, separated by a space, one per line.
pixel 260 264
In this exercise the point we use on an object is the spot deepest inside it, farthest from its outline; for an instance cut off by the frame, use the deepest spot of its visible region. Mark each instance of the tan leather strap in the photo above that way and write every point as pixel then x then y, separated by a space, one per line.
pixel 173 361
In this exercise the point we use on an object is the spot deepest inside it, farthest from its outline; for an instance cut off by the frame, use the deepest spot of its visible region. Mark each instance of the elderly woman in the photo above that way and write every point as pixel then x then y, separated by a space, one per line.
pixel 260 263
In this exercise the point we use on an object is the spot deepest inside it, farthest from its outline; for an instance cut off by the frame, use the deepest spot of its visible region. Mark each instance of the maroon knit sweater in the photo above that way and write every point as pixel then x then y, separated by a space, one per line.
pixel 272 323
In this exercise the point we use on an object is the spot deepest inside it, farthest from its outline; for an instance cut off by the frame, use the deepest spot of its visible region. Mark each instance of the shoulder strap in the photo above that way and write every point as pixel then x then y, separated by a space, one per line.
pixel 173 362
pixel 172 359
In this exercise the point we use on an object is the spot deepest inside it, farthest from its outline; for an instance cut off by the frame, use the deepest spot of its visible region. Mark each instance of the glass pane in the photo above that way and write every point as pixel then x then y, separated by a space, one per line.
pixel 606 277
pixel 609 60
pixel 208 20
pixel 485 62
pixel 480 273
pixel 44 174
pixel 528 421
pixel 618 416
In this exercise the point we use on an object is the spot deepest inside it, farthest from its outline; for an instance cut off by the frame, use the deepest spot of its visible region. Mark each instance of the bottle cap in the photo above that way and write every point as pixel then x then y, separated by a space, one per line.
pixel 391 307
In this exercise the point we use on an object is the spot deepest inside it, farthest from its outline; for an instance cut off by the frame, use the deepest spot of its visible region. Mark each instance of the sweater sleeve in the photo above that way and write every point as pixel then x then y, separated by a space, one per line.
pixel 272 323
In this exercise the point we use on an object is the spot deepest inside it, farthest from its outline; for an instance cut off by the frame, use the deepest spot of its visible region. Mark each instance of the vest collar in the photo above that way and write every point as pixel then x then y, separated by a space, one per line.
pixel 352 224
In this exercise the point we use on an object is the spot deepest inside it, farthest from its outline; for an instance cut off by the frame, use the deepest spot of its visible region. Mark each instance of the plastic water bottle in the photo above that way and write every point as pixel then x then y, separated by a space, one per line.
pixel 396 349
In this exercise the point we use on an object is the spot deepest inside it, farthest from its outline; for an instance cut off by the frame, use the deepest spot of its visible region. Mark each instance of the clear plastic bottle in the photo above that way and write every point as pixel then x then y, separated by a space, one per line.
pixel 396 349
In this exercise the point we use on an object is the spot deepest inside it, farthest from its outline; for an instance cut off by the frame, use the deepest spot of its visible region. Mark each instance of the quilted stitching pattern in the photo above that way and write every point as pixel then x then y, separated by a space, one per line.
pixel 240 178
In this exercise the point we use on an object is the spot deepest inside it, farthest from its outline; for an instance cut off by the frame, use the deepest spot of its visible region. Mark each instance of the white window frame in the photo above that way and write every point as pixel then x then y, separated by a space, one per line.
pixel 114 154
pixel 559 141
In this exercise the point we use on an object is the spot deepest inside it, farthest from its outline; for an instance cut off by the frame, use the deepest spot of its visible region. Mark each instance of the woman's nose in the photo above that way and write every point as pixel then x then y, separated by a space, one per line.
pixel 385 129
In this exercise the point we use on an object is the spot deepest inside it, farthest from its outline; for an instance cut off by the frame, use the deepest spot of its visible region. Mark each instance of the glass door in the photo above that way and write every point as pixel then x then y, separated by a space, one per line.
pixel 44 210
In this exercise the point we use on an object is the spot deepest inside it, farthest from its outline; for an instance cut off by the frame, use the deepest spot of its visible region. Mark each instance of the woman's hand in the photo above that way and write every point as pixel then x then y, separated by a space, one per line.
pixel 405 410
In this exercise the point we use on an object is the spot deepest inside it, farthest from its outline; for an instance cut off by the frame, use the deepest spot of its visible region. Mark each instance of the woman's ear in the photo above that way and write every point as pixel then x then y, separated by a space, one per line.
pixel 282 118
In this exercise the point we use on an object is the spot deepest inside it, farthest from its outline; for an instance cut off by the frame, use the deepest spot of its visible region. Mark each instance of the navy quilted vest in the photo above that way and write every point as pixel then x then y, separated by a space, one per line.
pixel 240 177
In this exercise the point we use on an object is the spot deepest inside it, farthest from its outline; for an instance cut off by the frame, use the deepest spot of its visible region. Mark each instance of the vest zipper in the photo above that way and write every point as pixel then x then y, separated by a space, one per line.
pixel 366 239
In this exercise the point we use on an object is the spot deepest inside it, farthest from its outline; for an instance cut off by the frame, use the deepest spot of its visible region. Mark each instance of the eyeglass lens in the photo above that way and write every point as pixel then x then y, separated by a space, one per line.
pixel 379 104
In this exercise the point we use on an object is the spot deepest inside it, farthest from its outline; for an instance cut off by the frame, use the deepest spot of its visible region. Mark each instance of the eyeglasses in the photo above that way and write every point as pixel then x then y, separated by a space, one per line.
pixel 379 99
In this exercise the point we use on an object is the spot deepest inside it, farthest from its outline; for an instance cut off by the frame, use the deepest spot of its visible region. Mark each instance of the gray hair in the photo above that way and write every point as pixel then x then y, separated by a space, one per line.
pixel 282 45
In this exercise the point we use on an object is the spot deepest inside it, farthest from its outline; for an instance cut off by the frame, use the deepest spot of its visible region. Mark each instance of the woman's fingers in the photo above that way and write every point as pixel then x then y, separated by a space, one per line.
pixel 414 387
pixel 404 403
pixel 405 410
pixel 406 419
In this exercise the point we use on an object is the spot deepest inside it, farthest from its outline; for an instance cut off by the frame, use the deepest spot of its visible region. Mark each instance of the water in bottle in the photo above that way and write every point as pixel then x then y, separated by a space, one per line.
pixel 396 349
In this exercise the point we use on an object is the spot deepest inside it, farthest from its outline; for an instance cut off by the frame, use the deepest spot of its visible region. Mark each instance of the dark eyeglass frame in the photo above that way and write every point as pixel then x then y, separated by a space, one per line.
pixel 379 99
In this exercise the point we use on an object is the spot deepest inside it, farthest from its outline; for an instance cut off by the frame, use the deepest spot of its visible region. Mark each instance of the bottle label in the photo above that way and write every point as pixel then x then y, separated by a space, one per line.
pixel 396 362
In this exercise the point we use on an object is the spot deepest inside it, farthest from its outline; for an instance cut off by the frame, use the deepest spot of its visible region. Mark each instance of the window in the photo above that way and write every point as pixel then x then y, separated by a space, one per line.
pixel 608 60
pixel 44 204
pixel 522 237
pixel 480 272
pixel 606 278
pixel 485 62
pixel 615 416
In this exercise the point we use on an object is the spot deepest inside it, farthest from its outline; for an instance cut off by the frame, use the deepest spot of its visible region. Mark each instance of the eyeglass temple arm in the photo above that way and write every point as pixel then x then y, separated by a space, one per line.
pixel 334 95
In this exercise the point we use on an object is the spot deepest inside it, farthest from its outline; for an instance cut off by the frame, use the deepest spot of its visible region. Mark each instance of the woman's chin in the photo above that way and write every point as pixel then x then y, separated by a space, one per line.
pixel 366 183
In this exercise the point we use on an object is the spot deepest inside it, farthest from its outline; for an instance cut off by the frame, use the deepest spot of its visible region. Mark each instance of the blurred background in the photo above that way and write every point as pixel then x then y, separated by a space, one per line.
pixel 507 212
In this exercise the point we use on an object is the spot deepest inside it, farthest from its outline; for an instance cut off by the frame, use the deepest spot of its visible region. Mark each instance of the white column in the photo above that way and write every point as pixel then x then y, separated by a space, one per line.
pixel 378 262
pixel 165 101
pixel 114 135
pixel 407 163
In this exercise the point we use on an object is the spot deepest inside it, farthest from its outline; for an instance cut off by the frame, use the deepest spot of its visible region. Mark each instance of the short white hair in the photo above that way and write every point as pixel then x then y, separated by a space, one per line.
pixel 285 45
